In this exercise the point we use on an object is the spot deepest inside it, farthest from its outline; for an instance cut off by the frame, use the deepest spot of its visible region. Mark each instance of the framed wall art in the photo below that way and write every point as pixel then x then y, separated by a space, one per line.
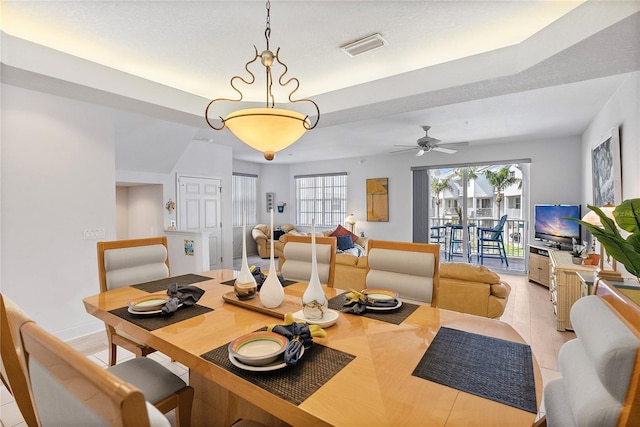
pixel 378 199
pixel 607 173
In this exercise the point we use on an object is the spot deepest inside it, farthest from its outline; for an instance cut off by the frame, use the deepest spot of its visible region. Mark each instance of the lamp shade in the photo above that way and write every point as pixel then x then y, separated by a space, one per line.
pixel 350 219
pixel 267 129
pixel 592 218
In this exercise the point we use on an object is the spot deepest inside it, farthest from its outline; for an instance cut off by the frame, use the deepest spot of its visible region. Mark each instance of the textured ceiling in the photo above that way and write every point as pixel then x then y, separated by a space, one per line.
pixel 475 71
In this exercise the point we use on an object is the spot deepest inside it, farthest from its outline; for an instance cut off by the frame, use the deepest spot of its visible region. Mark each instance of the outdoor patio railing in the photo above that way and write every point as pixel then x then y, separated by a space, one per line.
pixel 513 233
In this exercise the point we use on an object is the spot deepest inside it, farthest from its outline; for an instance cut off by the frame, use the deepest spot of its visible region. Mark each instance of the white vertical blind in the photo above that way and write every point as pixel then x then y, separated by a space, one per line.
pixel 323 197
pixel 244 198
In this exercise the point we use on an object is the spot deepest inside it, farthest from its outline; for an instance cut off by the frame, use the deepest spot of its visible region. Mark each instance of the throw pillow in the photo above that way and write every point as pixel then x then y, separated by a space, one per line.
pixel 341 231
pixel 344 242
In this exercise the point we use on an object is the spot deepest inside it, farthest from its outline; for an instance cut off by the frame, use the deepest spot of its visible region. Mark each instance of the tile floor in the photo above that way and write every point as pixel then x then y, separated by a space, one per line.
pixel 528 310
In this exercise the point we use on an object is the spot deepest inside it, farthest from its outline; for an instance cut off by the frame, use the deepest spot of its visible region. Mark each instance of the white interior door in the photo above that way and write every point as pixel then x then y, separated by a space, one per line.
pixel 199 209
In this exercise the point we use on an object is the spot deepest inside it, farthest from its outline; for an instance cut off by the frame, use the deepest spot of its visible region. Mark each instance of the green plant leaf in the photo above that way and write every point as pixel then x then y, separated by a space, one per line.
pixel 624 250
pixel 627 215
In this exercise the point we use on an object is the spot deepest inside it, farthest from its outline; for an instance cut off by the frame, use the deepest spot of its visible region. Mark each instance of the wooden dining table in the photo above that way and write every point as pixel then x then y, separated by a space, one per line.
pixel 375 387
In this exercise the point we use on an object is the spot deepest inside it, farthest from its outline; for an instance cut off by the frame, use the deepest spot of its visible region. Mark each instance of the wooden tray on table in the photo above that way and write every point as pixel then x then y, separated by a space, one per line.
pixel 290 304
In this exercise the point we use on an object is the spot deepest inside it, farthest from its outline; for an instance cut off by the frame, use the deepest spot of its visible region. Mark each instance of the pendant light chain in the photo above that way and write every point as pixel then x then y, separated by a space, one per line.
pixel 268 129
pixel 267 31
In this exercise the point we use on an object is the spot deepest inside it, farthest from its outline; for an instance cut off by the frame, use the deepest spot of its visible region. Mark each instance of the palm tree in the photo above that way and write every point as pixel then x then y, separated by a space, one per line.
pixel 437 186
pixel 500 180
pixel 458 173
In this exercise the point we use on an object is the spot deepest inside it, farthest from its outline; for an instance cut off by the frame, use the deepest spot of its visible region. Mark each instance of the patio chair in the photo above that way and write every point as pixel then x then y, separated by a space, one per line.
pixel 491 242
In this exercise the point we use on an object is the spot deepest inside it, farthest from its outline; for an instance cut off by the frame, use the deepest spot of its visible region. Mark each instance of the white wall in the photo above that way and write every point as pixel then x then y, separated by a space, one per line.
pixel 145 211
pixel 552 162
pixel 57 180
pixel 623 110
pixel 122 213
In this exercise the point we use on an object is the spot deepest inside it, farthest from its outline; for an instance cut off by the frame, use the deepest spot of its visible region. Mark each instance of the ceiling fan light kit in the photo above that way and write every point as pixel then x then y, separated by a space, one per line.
pixel 267 129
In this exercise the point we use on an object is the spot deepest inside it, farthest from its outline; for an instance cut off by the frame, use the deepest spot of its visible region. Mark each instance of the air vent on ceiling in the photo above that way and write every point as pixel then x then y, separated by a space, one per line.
pixel 363 45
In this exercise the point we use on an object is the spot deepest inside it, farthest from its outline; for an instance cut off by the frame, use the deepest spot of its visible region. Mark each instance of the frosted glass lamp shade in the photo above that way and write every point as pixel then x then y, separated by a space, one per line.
pixel 267 129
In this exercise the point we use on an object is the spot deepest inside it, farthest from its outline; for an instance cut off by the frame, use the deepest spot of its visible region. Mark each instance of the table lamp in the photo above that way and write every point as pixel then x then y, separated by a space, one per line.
pixel 592 218
pixel 351 220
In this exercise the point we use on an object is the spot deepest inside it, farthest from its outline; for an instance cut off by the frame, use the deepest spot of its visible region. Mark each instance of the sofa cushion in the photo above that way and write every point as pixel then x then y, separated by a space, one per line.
pixel 344 242
pixel 501 290
pixel 346 259
pixel 341 231
pixel 468 272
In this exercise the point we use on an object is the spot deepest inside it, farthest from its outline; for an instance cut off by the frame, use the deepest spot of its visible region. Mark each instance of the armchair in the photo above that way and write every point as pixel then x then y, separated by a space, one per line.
pixel 261 233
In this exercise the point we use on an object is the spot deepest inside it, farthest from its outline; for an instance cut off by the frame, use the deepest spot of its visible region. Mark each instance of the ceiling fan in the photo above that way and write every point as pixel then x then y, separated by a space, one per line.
pixel 428 143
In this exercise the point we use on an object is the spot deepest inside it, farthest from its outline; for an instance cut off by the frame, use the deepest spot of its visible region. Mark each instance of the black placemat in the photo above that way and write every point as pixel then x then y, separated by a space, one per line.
pixel 284 284
pixel 293 383
pixel 492 368
pixel 153 322
pixel 163 284
pixel 396 316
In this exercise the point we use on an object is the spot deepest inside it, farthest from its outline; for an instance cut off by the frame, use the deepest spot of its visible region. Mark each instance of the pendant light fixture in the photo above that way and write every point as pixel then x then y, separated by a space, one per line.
pixel 266 129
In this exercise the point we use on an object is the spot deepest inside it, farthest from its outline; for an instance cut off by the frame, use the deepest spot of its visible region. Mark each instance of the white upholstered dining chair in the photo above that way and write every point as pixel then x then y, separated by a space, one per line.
pixel 296 260
pixel 128 262
pixel 69 389
pixel 411 269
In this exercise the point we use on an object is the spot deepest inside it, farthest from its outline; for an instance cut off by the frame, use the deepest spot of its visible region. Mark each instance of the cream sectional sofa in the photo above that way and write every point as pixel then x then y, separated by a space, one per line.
pixel 466 288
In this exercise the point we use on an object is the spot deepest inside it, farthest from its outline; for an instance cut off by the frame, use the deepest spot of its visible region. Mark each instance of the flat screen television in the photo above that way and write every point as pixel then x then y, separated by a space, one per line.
pixel 551 227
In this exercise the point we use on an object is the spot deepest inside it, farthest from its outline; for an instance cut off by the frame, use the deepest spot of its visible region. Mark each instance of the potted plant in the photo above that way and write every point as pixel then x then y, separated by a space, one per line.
pixel 577 253
pixel 625 250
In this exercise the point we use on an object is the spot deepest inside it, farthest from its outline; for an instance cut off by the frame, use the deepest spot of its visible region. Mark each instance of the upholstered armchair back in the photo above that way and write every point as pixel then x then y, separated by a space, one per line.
pixel 296 264
pixel 411 269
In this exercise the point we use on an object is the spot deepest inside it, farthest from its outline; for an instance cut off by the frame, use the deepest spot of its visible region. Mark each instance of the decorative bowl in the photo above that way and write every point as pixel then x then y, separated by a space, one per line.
pixel 380 294
pixel 151 302
pixel 258 348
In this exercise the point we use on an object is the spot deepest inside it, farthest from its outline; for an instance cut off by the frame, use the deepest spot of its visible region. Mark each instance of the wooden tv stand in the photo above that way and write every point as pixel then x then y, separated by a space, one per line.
pixel 539 264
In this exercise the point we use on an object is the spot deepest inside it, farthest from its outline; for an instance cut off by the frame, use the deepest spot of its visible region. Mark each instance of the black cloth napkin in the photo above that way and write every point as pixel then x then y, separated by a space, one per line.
pixel 187 295
pixel 299 335
pixel 261 277
pixel 357 302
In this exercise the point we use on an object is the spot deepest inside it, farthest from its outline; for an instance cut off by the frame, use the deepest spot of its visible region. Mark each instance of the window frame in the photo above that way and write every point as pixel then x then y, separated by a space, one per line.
pixel 250 202
pixel 322 197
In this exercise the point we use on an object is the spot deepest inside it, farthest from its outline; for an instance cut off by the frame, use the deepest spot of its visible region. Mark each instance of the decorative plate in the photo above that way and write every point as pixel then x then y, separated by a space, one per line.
pixel 380 294
pixel 146 313
pixel 148 302
pixel 273 366
pixel 258 348
pixel 372 308
pixel 329 319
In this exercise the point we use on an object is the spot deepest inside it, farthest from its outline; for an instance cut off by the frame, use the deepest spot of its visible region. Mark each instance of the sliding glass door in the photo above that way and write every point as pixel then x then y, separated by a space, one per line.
pixel 453 203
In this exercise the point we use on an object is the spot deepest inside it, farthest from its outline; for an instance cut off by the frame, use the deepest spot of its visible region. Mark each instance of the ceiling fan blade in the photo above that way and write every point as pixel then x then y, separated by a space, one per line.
pixel 405 149
pixel 444 150
pixel 401 145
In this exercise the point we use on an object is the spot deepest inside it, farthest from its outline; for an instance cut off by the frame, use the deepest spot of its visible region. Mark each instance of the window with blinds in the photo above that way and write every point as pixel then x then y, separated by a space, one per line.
pixel 323 197
pixel 244 198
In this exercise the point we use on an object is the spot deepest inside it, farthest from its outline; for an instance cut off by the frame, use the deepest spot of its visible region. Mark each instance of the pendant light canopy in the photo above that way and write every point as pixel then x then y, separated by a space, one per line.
pixel 267 129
